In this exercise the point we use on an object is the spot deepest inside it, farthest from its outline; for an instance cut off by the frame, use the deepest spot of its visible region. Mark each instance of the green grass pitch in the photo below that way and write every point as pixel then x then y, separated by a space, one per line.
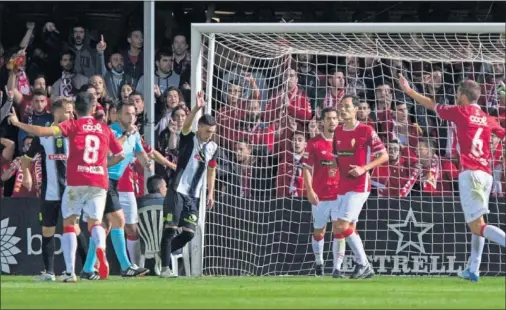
pixel 255 292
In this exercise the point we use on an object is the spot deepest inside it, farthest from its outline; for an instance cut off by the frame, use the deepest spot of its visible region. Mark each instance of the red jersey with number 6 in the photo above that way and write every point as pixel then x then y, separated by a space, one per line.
pixel 474 128
pixel 319 156
pixel 87 160
pixel 354 147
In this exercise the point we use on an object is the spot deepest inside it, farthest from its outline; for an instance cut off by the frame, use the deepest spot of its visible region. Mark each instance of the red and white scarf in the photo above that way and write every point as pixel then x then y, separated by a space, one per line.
pixel 295 185
pixel 430 180
pixel 23 85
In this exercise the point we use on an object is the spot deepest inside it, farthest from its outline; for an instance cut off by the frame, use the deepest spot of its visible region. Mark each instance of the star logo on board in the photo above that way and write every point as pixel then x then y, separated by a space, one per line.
pixel 8 248
pixel 410 219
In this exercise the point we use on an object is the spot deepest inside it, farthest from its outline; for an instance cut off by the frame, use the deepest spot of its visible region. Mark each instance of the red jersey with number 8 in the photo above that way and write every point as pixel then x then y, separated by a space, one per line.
pixel 474 129
pixel 91 141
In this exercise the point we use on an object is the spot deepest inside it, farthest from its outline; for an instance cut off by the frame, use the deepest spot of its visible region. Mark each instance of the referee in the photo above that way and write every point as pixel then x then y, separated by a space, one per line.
pixel 54 152
pixel 197 154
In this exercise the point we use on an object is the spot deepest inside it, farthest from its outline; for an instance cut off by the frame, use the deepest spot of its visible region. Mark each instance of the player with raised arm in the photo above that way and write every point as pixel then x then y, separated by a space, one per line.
pixel 54 153
pixel 87 178
pixel 321 187
pixel 353 144
pixel 474 129
pixel 197 156
pixel 126 133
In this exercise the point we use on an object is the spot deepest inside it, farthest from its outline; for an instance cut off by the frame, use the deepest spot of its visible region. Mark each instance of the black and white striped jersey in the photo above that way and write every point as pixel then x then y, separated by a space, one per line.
pixel 193 160
pixel 54 152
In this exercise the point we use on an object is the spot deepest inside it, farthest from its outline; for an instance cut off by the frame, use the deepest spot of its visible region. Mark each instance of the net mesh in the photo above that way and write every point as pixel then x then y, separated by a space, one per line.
pixel 266 88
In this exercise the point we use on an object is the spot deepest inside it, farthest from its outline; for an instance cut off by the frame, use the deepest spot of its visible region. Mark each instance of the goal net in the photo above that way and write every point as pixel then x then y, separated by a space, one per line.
pixel 267 85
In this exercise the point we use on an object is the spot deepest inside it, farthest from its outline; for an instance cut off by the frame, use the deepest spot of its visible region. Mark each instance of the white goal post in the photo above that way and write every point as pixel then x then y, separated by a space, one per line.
pixel 270 235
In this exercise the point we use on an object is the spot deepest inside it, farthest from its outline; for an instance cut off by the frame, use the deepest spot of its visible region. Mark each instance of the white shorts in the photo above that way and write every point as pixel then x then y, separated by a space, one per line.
pixel 349 206
pixel 90 200
pixel 128 203
pixel 321 213
pixel 474 188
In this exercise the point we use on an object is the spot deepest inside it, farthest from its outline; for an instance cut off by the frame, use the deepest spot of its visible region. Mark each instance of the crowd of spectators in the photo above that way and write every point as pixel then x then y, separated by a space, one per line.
pixel 265 112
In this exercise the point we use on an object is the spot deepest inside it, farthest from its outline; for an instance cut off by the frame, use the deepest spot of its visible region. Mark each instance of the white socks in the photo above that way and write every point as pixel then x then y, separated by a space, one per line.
pixel 134 250
pixel 477 244
pixel 357 247
pixel 494 234
pixel 69 245
pixel 98 235
pixel 338 250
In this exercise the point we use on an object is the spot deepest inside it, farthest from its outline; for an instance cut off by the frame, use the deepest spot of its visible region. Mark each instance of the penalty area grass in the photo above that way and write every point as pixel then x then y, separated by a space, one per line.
pixel 254 292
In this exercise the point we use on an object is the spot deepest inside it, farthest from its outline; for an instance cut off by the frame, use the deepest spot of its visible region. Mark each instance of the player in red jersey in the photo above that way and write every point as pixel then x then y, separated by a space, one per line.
pixel 320 186
pixel 474 129
pixel 353 144
pixel 87 179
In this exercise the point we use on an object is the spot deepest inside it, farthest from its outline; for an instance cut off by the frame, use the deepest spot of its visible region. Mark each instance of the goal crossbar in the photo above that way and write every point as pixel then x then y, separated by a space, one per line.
pixel 349 27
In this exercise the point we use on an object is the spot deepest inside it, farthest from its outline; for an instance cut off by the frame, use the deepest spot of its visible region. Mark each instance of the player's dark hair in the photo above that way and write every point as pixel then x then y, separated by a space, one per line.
pixel 85 87
pixel 154 184
pixel 207 120
pixel 328 110
pixel 354 99
pixel 470 89
pixel 136 93
pixel 84 103
pixel 39 92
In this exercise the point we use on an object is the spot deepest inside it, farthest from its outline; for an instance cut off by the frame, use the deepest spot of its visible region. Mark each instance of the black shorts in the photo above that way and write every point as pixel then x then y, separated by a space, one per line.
pixel 112 202
pixel 49 213
pixel 180 210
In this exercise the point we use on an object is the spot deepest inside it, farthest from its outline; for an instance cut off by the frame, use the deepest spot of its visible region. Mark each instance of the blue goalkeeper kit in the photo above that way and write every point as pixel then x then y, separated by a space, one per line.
pixel 131 146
